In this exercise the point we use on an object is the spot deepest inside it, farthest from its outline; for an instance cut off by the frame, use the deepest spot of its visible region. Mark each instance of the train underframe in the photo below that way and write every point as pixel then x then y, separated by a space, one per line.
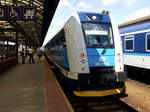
pixel 105 82
pixel 137 73
pixel 100 82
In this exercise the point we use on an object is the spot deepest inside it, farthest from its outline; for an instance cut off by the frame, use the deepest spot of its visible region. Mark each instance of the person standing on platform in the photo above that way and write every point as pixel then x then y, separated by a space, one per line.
pixel 31 58
pixel 23 55
pixel 39 54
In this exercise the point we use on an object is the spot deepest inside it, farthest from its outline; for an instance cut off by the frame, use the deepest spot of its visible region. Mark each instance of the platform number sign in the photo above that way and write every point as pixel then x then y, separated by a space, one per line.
pixel 17 13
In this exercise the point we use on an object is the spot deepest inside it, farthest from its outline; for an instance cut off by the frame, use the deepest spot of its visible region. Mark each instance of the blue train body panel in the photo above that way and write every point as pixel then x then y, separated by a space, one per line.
pixel 96 58
pixel 84 17
pixel 63 58
pixel 139 43
pixel 137 54
pixel 60 56
pixel 134 28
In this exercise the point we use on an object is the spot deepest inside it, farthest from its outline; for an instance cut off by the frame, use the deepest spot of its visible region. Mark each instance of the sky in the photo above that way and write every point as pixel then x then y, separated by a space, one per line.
pixel 120 10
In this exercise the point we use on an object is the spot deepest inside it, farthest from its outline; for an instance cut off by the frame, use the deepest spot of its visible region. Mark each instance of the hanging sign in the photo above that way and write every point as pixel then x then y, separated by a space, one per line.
pixel 28 13
pixel 17 13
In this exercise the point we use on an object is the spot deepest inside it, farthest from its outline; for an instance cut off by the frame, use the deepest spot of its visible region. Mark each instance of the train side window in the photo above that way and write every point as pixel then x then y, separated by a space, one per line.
pixel 148 42
pixel 63 40
pixel 63 36
pixel 129 43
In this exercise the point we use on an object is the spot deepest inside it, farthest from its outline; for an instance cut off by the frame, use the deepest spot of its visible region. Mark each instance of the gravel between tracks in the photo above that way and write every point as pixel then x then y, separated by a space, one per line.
pixel 138 95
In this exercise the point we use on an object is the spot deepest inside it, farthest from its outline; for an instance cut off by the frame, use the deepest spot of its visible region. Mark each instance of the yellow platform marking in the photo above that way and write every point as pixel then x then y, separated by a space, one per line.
pixel 97 93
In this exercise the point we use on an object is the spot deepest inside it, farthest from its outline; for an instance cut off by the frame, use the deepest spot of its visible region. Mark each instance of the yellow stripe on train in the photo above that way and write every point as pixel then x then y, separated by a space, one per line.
pixel 97 93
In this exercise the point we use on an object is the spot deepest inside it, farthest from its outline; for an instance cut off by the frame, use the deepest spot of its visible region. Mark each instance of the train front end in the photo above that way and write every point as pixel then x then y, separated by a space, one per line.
pixel 104 54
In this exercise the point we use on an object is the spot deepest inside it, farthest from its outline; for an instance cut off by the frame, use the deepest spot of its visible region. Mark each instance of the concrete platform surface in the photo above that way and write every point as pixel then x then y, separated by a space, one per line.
pixel 25 88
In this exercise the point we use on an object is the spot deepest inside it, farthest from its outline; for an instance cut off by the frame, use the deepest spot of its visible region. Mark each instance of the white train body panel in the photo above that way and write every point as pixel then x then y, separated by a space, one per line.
pixel 75 47
pixel 137 61
pixel 119 64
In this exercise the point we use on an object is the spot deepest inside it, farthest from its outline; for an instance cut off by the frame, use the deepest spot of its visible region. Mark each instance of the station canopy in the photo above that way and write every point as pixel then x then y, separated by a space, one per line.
pixel 28 20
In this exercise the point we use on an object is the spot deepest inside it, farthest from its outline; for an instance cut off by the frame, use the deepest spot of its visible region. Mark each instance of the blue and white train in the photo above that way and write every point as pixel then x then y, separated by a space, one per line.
pixel 135 37
pixel 88 52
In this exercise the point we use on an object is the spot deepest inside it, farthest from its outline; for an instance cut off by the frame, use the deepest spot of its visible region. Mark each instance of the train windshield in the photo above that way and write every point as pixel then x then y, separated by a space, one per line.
pixel 98 35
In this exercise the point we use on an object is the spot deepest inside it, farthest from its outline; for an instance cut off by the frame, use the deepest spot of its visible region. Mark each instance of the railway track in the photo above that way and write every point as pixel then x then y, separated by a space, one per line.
pixel 106 104
pixel 93 104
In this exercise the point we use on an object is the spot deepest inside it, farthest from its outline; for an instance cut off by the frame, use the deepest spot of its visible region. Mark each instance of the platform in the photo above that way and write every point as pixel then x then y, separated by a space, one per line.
pixel 31 88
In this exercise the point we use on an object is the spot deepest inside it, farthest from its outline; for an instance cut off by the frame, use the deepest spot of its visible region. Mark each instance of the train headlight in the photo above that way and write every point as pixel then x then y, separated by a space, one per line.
pixel 94 17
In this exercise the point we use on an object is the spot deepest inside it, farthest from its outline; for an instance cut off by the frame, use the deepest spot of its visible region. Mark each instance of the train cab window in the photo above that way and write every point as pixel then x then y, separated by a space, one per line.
pixel 148 42
pixel 98 34
pixel 129 43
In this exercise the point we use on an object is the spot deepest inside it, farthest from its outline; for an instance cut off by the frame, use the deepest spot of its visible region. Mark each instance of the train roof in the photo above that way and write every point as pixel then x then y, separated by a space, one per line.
pixel 135 26
pixel 135 22
pixel 144 27
pixel 93 17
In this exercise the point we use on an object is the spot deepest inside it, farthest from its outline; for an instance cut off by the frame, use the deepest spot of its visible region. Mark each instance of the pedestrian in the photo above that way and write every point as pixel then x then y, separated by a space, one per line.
pixel 23 55
pixel 39 54
pixel 31 58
